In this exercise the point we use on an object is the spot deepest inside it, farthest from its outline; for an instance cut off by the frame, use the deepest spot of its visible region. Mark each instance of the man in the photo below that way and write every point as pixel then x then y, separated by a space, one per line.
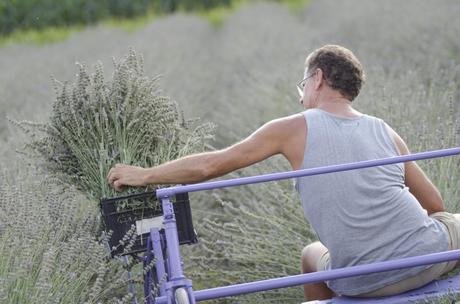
pixel 359 216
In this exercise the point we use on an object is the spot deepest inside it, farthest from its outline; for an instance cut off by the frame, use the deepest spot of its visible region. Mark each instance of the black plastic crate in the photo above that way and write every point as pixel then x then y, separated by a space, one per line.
pixel 120 217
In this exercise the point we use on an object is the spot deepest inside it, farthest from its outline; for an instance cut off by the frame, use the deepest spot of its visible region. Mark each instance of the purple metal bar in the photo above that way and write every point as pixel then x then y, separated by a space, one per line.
pixel 148 296
pixel 172 239
pixel 132 286
pixel 233 290
pixel 168 192
pixel 158 253
pixel 448 288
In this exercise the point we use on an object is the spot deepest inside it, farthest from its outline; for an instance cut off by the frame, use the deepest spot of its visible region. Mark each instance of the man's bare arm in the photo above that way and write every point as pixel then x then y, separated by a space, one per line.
pixel 268 140
pixel 418 183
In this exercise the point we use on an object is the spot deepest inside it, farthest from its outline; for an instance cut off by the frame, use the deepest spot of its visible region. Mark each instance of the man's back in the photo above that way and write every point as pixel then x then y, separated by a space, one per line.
pixel 367 215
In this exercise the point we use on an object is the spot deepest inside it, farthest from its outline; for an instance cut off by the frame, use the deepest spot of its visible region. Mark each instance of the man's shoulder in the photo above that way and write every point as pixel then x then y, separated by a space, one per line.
pixel 285 128
pixel 291 135
pixel 289 122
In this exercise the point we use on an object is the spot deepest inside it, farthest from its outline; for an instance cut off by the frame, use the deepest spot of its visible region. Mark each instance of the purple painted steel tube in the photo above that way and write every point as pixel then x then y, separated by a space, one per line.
pixel 168 192
pixel 160 263
pixel 169 221
pixel 233 290
pixel 148 276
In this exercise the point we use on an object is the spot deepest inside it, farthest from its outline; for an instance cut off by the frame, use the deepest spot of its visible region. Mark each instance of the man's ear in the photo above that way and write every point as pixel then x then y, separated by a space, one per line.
pixel 319 79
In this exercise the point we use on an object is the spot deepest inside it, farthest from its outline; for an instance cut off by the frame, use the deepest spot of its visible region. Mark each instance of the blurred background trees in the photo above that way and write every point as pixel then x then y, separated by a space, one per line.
pixel 38 14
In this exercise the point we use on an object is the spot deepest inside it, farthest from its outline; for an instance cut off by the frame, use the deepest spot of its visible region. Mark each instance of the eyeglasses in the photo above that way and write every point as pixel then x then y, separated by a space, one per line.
pixel 301 84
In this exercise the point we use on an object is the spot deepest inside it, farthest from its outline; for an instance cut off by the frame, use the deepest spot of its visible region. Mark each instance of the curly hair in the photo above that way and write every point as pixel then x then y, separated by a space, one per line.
pixel 342 70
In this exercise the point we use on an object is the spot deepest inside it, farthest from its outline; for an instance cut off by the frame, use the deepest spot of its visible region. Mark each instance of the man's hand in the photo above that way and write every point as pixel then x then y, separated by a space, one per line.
pixel 125 175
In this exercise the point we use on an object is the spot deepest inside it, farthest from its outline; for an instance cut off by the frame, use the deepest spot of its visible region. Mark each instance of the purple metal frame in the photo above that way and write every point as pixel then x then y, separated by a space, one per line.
pixel 176 278
pixel 432 292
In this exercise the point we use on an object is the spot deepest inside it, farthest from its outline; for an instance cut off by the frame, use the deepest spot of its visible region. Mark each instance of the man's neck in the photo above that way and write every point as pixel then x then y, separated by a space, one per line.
pixel 338 106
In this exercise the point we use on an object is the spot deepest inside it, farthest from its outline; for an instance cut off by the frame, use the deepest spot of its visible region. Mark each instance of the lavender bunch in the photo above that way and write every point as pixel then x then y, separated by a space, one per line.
pixel 96 124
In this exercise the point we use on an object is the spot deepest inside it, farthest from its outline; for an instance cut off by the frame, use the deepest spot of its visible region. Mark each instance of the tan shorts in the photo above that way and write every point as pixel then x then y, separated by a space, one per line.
pixel 452 222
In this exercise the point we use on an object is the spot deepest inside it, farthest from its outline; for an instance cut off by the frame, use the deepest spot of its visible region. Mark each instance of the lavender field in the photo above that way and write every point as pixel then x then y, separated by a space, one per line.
pixel 236 76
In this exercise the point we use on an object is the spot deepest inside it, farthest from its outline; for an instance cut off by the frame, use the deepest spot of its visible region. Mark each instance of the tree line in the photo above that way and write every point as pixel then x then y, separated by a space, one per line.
pixel 38 14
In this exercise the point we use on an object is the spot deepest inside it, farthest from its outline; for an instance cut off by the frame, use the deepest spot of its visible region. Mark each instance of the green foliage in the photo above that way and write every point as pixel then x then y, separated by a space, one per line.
pixel 169 6
pixel 127 8
pixel 39 14
pixel 43 22
pixel 20 15
pixel 295 5
pixel 96 124
pixel 40 37
pixel 217 15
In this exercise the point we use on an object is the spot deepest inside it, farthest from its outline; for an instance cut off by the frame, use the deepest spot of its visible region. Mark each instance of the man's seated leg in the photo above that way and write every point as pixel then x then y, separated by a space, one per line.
pixel 457 220
pixel 452 223
pixel 313 256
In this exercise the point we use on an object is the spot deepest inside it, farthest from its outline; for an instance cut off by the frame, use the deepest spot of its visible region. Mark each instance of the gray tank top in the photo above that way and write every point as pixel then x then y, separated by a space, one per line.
pixel 366 215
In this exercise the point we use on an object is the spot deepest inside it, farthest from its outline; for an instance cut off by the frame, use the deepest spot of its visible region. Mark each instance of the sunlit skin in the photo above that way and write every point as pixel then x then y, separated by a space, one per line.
pixel 286 136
